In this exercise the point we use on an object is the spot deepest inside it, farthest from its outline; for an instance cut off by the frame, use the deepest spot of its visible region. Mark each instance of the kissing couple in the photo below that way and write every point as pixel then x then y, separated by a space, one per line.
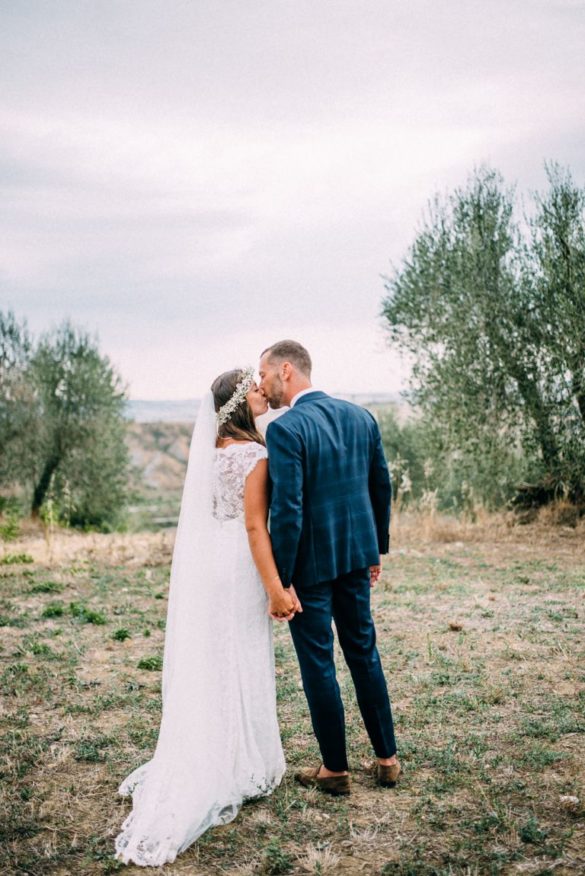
pixel 322 478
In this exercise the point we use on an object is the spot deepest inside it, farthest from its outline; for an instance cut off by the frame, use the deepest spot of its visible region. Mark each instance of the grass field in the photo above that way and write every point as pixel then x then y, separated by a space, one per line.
pixel 483 642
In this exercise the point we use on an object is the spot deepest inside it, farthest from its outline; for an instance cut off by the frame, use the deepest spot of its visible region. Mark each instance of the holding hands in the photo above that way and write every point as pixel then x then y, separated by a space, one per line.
pixel 283 604
pixel 375 573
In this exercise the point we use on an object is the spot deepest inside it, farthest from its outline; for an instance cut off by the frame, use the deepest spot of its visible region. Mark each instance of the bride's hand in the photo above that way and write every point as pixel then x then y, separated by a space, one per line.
pixel 281 606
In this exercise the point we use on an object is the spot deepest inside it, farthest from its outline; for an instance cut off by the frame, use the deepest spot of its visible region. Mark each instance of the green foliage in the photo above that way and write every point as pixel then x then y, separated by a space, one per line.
pixel 17 401
pixel 91 749
pixel 493 314
pixel 407 448
pixel 53 609
pixel 276 859
pixel 62 430
pixel 530 832
pixel 426 471
pixel 47 587
pixel 9 525
pixel 153 664
pixel 86 615
pixel 16 559
pixel 121 635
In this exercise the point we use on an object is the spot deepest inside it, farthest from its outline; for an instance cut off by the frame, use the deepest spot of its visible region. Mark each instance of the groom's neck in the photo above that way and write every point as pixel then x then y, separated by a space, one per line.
pixel 294 387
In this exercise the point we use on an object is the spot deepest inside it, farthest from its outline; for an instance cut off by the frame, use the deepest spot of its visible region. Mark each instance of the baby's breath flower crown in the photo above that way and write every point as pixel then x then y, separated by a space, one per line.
pixel 241 391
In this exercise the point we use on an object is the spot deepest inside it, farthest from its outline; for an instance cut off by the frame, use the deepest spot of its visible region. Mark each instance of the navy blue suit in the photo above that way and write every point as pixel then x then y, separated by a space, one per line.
pixel 329 521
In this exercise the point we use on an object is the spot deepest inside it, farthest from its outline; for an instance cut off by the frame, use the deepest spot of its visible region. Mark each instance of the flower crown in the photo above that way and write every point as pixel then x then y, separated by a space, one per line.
pixel 240 393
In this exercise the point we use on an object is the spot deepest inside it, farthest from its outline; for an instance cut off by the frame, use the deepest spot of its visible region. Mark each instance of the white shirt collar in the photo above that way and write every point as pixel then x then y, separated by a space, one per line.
pixel 296 397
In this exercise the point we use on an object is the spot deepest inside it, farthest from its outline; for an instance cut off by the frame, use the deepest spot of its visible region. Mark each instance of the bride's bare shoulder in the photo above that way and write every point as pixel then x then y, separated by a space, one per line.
pixel 222 443
pixel 232 442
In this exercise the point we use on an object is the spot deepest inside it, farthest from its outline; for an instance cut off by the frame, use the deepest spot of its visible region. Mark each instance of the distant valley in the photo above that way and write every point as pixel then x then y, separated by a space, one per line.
pixel 185 410
pixel 158 438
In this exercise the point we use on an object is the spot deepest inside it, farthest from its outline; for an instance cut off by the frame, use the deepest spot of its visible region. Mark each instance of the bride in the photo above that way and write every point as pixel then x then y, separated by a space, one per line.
pixel 218 742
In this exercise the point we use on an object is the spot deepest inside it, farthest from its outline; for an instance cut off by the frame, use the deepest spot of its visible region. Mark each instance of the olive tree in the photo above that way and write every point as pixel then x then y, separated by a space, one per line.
pixel 64 401
pixel 17 401
pixel 474 302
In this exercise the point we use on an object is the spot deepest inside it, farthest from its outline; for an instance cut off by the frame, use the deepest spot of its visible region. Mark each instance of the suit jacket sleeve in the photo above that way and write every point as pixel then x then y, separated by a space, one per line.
pixel 286 502
pixel 380 487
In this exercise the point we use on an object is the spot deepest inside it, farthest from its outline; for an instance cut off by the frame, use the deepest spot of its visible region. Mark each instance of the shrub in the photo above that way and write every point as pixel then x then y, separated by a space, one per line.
pixel 121 635
pixel 153 664
pixel 86 615
pixel 53 609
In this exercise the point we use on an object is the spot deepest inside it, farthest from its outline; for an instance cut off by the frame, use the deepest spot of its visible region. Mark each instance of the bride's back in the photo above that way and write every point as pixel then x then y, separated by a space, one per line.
pixel 232 465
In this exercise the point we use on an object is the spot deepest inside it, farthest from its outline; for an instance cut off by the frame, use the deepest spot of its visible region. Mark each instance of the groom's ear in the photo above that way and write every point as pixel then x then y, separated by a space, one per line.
pixel 286 371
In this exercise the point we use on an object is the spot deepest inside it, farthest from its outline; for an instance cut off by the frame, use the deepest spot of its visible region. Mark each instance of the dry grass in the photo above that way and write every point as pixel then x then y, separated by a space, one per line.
pixel 482 638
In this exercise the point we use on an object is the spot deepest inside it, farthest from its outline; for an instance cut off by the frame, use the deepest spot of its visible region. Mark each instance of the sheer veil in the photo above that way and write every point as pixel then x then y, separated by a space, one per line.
pixel 175 795
pixel 194 534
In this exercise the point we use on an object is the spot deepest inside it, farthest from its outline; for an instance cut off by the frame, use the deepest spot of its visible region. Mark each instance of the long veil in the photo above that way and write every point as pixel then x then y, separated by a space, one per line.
pixel 194 533
pixel 176 797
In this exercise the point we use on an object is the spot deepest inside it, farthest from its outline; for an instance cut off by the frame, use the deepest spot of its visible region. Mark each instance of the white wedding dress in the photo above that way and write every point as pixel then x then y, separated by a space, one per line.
pixel 219 742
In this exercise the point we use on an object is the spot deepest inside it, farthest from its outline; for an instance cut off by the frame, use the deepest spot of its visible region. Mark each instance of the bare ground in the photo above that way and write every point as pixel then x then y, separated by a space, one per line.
pixel 481 632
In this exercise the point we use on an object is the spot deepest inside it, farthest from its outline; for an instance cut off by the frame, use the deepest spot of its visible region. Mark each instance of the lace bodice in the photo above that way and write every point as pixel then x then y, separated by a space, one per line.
pixel 232 466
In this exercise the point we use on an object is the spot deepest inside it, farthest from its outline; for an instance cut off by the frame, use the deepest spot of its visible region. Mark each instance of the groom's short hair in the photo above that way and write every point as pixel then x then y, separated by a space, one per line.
pixel 290 351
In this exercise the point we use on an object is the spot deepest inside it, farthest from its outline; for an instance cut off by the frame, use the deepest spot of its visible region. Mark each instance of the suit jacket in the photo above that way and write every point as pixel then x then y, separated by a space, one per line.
pixel 330 490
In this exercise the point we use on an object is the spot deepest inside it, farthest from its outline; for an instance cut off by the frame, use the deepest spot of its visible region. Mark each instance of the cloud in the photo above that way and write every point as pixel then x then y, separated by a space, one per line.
pixel 196 171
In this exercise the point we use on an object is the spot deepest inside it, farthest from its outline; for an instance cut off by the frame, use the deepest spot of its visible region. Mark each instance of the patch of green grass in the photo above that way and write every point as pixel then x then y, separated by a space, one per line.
pixel 7 621
pixel 530 832
pixel 21 751
pixel 53 609
pixel 47 587
pixel 115 700
pixel 538 757
pixel 15 679
pixel 153 664
pixel 91 748
pixel 86 615
pixel 281 654
pixel 99 849
pixel 276 859
pixel 559 615
pixel 32 645
pixel 475 725
pixel 143 734
pixel 552 730
pixel 15 559
pixel 286 689
pixel 19 830
pixel 9 617
pixel 491 822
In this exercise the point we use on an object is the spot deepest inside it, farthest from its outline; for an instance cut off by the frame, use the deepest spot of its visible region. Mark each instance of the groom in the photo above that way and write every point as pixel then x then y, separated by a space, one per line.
pixel 329 520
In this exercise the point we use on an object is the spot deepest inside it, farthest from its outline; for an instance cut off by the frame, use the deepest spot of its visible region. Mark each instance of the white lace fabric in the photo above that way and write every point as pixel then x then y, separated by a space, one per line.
pixel 219 742
pixel 232 466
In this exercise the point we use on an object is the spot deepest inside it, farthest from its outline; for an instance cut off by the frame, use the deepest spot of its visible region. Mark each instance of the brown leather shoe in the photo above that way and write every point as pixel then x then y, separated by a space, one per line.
pixel 387 776
pixel 336 785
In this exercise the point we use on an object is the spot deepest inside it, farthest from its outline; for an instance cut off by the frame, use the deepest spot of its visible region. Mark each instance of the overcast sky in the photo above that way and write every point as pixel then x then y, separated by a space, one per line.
pixel 194 180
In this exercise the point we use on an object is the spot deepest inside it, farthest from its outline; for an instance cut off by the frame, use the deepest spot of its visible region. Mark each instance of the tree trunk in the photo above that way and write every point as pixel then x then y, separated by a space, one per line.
pixel 579 393
pixel 42 487
pixel 536 409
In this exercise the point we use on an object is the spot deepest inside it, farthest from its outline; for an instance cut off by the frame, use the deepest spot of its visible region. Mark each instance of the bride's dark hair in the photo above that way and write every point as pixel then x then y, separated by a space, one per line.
pixel 241 425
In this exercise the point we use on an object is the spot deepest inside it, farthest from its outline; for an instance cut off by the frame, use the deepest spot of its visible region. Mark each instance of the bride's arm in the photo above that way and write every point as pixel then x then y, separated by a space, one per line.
pixel 282 604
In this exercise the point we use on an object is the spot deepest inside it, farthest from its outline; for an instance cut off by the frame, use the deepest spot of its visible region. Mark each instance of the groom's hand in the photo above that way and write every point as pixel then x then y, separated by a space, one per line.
pixel 375 572
pixel 296 600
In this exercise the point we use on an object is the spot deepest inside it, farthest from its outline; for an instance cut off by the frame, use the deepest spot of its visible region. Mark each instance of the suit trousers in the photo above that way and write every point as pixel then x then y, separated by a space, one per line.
pixel 346 600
